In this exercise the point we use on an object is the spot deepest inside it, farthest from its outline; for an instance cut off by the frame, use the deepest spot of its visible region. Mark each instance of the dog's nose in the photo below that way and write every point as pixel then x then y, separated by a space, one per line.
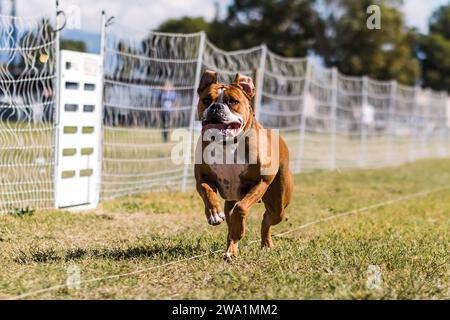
pixel 215 107
pixel 215 112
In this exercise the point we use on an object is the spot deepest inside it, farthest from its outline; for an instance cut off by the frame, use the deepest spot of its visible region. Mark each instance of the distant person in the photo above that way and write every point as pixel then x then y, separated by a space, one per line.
pixel 368 118
pixel 167 100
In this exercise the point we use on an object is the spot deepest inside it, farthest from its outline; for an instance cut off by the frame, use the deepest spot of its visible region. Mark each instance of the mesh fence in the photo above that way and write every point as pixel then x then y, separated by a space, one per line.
pixel 328 120
pixel 282 100
pixel 227 64
pixel 149 85
pixel 27 103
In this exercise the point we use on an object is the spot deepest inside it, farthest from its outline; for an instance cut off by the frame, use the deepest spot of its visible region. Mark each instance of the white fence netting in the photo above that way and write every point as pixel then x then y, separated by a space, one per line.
pixel 228 63
pixel 149 86
pixel 328 120
pixel 27 103
pixel 282 100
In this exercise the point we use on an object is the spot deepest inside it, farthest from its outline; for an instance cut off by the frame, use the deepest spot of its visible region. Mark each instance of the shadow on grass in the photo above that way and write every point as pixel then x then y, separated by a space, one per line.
pixel 167 250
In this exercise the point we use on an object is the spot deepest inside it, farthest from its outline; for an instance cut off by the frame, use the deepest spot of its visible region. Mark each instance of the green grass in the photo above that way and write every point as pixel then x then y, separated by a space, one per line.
pixel 408 240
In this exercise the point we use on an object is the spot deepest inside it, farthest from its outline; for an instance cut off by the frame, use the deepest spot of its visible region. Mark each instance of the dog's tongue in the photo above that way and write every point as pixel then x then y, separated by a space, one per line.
pixel 224 129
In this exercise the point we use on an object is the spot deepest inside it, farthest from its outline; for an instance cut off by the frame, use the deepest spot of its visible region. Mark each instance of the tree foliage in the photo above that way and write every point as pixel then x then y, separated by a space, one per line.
pixel 383 54
pixel 435 48
pixel 288 27
pixel 184 25
pixel 336 31
pixel 74 45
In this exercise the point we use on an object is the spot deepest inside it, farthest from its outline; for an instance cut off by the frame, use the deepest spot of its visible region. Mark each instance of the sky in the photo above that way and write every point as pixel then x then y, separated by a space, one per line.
pixel 143 15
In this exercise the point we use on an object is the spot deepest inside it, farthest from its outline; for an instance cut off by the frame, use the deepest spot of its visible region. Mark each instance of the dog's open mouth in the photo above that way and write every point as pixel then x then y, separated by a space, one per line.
pixel 225 129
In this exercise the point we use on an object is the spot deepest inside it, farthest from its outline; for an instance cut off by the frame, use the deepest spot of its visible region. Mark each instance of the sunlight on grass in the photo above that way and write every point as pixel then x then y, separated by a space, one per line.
pixel 407 240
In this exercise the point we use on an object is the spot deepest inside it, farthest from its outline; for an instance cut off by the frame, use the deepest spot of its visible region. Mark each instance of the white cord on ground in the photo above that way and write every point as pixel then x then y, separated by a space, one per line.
pixel 374 206
pixel 127 274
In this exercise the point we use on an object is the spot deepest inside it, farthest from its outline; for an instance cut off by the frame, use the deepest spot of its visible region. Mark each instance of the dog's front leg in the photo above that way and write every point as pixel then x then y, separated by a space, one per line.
pixel 238 215
pixel 213 211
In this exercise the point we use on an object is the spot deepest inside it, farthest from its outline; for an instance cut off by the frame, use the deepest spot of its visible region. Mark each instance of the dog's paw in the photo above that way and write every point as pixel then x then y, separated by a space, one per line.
pixel 216 219
pixel 228 257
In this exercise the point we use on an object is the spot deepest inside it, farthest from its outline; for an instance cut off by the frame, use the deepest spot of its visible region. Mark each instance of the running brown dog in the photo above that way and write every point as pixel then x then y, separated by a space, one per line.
pixel 226 110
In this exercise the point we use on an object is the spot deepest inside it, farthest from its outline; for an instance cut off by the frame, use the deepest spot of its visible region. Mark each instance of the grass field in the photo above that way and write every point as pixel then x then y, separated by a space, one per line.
pixel 407 240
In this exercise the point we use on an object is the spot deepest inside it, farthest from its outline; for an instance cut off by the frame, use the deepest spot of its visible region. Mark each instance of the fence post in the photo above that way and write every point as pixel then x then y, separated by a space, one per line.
pixel 446 130
pixel 56 107
pixel 260 81
pixel 413 129
pixel 447 123
pixel 302 128
pixel 188 146
pixel 364 104
pixel 102 103
pixel 440 133
pixel 390 123
pixel 333 118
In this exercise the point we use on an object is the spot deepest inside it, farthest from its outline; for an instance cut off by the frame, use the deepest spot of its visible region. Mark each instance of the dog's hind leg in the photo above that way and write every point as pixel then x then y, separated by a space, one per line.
pixel 276 200
pixel 270 219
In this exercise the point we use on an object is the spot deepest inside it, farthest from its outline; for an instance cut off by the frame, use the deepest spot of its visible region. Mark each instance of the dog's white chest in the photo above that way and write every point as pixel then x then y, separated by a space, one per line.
pixel 229 179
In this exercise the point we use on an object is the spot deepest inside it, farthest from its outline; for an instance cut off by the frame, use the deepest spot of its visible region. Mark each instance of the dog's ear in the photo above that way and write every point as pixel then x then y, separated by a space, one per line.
pixel 246 84
pixel 208 78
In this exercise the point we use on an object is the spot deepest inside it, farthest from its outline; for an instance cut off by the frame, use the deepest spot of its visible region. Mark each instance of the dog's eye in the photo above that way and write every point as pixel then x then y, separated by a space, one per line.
pixel 207 101
pixel 232 102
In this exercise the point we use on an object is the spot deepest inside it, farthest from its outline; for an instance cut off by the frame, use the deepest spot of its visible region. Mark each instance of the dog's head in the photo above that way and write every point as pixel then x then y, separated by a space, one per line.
pixel 225 107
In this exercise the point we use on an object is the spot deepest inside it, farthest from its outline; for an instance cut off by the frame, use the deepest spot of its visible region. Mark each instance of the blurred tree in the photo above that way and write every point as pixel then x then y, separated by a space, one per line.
pixel 74 45
pixel 288 27
pixel 184 25
pixel 355 49
pixel 440 21
pixel 336 30
pixel 434 51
